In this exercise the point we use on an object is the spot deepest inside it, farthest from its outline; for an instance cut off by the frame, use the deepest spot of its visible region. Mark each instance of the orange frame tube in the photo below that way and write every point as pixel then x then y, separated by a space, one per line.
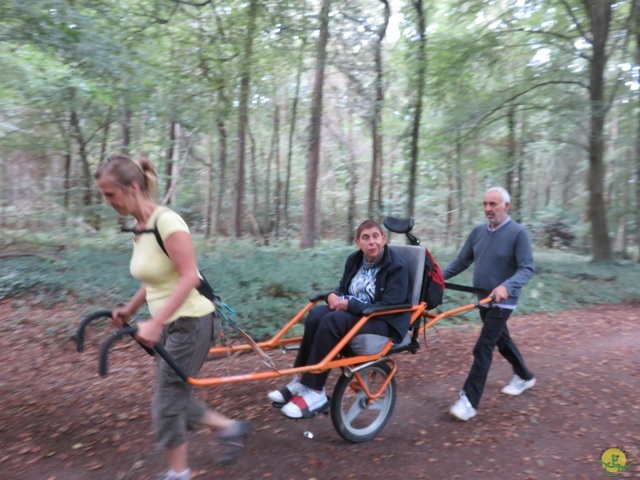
pixel 330 361
pixel 371 397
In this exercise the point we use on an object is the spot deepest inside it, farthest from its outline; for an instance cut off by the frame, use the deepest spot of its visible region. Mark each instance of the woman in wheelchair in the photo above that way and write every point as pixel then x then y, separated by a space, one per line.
pixel 373 277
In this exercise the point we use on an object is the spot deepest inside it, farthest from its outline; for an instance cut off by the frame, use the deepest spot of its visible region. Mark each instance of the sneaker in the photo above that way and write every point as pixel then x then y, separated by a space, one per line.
pixel 233 439
pixel 306 403
pixel 462 409
pixel 287 392
pixel 518 385
pixel 171 475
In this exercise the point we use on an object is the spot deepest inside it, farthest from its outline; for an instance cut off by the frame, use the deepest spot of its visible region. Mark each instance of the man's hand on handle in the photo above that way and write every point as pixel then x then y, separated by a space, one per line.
pixel 500 293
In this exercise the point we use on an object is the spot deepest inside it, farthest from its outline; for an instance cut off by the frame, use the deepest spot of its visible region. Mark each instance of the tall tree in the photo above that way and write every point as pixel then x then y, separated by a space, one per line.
pixel 418 98
pixel 308 233
pixel 292 129
pixel 375 184
pixel 599 13
pixel 636 24
pixel 243 120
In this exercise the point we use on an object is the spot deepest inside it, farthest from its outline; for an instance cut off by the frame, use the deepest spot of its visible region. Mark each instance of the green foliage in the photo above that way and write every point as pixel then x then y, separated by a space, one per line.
pixel 266 286
pixel 147 64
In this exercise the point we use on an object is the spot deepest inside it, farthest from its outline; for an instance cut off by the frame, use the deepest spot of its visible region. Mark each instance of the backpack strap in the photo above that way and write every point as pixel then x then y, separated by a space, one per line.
pixel 204 287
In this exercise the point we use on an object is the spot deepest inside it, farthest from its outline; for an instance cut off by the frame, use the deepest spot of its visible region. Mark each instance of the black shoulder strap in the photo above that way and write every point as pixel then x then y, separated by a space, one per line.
pixel 204 288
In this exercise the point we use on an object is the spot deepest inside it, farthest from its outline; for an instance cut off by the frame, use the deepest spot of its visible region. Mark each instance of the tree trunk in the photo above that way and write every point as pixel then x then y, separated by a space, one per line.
pixel 172 160
pixel 267 187
pixel 292 131
pixel 600 15
pixel 222 170
pixel 253 174
pixel 352 183
pixel 277 197
pixel 208 205
pixel 102 158
pixel 105 136
pixel 243 120
pixel 421 74
pixel 87 178
pixel 637 182
pixel 512 179
pixel 375 187
pixel 520 201
pixel 4 187
pixel 313 158
pixel 126 130
pixel 459 190
pixel 68 159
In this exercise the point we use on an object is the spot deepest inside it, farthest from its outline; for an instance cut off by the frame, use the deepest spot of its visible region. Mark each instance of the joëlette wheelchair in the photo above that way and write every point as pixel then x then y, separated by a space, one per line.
pixel 364 395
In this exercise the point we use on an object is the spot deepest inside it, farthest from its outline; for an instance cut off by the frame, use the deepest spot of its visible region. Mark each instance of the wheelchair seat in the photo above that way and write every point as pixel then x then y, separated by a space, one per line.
pixel 414 256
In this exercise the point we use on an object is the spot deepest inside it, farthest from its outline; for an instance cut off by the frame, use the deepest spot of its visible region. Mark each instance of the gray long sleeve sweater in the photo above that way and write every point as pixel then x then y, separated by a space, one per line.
pixel 502 257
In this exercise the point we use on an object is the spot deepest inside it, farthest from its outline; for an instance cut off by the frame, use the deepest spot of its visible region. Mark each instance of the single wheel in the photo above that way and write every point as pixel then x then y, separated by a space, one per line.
pixel 353 418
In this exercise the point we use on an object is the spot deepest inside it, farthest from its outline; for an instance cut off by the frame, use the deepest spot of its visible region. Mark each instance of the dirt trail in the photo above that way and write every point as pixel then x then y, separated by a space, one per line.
pixel 61 421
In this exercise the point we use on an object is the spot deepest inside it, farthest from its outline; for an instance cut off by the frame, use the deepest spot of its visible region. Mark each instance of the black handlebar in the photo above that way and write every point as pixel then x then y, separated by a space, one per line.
pixel 104 349
pixel 104 353
pixel 90 318
pixel 83 326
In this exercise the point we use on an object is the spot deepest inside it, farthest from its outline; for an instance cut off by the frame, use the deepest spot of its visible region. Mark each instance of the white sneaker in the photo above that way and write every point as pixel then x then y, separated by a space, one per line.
pixel 306 403
pixel 287 392
pixel 518 385
pixel 462 409
pixel 171 475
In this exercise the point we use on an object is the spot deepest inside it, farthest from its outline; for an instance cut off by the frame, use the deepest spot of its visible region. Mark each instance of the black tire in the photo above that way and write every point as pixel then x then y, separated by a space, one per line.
pixel 352 417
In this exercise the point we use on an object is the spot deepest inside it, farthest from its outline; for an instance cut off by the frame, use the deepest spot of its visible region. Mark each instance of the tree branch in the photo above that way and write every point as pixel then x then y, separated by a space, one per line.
pixel 518 95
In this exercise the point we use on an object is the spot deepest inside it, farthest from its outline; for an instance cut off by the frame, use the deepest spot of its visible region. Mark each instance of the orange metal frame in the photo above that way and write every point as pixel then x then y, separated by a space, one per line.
pixel 333 359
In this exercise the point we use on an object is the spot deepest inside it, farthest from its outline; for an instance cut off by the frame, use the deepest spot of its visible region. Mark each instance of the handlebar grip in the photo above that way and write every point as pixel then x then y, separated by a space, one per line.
pixel 88 319
pixel 104 353
pixel 149 350
pixel 83 326
pixel 104 349
pixel 319 296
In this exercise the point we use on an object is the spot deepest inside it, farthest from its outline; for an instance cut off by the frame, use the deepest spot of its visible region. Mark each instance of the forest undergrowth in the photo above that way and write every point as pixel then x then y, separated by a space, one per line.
pixel 266 285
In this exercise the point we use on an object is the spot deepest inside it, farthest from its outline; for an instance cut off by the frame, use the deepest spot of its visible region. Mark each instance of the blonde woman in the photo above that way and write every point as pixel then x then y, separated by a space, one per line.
pixel 181 318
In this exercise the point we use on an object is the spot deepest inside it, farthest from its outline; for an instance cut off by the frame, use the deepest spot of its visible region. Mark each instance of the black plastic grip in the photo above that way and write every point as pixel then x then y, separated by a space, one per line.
pixel 88 319
pixel 83 326
pixel 104 353
pixel 319 296
pixel 104 349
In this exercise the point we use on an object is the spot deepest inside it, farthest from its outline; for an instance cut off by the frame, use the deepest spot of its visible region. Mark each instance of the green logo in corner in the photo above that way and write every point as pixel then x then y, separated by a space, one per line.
pixel 614 461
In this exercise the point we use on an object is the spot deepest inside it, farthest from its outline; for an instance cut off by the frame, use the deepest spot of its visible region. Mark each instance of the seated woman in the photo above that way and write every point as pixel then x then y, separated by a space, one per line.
pixel 373 277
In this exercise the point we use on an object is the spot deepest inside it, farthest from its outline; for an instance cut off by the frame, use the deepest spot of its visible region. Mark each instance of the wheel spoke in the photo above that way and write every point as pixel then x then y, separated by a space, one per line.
pixel 378 404
pixel 354 410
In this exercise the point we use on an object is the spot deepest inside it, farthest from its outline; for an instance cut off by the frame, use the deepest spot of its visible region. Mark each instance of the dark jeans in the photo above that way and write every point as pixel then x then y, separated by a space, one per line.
pixel 494 333
pixel 323 330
